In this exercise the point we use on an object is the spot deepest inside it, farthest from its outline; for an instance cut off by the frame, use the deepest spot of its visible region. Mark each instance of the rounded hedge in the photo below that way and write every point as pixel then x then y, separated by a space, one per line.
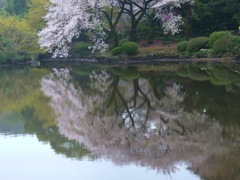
pixel 215 36
pixel 195 44
pixel 122 41
pixel 130 48
pixel 182 46
pixel 116 51
pixel 82 47
pixel 220 46
pixel 234 46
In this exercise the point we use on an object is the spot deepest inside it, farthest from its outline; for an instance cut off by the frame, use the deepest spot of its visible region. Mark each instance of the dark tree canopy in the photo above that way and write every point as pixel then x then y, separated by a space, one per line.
pixel 15 7
pixel 214 15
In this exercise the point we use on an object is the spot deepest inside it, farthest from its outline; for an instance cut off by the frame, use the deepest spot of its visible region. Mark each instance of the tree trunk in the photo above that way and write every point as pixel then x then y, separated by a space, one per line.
pixel 133 34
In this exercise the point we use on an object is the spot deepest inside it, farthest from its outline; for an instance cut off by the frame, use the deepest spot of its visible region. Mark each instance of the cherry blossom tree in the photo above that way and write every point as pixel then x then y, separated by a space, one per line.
pixel 66 20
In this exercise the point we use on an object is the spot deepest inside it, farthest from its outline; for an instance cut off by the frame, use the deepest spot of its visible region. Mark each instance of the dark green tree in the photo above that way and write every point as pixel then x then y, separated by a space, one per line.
pixel 15 7
pixel 214 15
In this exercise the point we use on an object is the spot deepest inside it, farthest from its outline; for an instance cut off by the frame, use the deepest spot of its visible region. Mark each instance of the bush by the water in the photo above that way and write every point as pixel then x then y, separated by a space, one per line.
pixel 233 47
pixel 2 56
pixel 82 48
pixel 196 44
pixel 122 41
pixel 130 48
pixel 182 46
pixel 220 45
pixel 215 36
pixel 116 51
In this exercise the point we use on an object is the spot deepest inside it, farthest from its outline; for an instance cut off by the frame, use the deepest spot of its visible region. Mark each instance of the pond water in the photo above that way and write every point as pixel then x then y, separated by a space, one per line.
pixel 166 121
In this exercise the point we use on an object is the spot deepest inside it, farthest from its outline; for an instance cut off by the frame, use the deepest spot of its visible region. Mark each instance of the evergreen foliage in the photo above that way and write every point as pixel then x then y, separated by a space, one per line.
pixel 15 7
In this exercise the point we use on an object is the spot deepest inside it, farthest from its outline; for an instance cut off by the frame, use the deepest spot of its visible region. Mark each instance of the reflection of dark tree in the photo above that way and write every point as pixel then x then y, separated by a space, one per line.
pixel 203 96
pixel 144 130
pixel 59 143
pixel 221 167
pixel 117 94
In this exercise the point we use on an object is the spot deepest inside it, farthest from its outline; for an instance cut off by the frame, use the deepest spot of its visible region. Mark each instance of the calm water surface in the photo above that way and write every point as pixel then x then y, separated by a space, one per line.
pixel 169 121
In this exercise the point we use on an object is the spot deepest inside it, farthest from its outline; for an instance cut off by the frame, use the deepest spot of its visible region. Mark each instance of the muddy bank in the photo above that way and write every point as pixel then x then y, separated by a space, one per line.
pixel 115 61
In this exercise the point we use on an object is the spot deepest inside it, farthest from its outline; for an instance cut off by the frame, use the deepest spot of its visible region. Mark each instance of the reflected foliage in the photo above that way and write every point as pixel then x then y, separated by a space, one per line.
pixel 138 120
pixel 24 110
pixel 154 116
pixel 20 89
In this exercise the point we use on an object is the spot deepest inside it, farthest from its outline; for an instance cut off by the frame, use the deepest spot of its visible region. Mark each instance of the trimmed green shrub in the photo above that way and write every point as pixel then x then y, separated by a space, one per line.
pixel 2 56
pixel 215 36
pixel 130 48
pixel 196 44
pixel 234 46
pixel 182 46
pixel 220 45
pixel 82 48
pixel 122 41
pixel 116 51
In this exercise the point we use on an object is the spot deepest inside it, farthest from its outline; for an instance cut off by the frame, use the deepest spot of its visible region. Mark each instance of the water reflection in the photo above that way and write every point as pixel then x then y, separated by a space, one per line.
pixel 151 116
pixel 25 110
pixel 129 119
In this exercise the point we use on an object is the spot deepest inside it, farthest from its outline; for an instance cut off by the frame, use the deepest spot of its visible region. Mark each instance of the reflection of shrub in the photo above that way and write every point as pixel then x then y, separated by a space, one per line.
pixel 218 82
pixel 234 46
pixel 117 71
pixel 182 46
pixel 215 36
pixel 130 74
pixel 221 73
pixel 220 45
pixel 197 74
pixel 116 51
pixel 196 44
pixel 82 48
pixel 183 72
pixel 237 83
pixel 130 48
pixel 2 56
pixel 121 42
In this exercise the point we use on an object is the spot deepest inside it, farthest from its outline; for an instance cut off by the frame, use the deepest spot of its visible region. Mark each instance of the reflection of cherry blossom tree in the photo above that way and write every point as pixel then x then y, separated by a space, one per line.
pixel 144 130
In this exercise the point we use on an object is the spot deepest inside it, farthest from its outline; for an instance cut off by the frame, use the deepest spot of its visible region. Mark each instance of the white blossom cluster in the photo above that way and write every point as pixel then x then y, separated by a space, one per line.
pixel 163 9
pixel 65 21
